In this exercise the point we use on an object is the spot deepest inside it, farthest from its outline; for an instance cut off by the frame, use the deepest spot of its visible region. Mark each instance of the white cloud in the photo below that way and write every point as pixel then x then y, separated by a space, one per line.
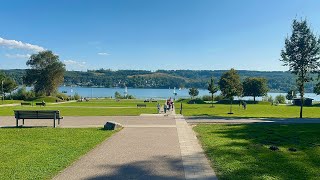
pixel 103 54
pixel 18 56
pixel 75 65
pixel 13 44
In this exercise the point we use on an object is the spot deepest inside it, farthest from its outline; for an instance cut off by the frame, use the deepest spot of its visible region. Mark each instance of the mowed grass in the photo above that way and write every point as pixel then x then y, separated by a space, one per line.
pixel 9 102
pixel 252 111
pixel 242 151
pixel 40 153
pixel 104 107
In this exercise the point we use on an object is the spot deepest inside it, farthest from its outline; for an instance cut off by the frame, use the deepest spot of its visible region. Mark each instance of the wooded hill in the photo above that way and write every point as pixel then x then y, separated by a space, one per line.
pixel 278 81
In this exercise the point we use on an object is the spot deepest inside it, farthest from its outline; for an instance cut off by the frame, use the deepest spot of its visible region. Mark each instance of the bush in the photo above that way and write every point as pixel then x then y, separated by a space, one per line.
pixel 76 96
pixel 218 98
pixel 280 99
pixel 206 98
pixel 62 96
pixel 23 94
pixel 196 101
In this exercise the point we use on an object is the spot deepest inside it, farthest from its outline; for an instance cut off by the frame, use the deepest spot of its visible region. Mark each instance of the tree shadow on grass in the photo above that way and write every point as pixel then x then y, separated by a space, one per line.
pixel 158 168
pixel 242 151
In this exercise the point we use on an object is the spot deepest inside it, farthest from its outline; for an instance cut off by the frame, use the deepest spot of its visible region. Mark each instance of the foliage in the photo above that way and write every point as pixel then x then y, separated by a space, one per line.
pixel 207 98
pixel 62 96
pixel 76 96
pixel 40 153
pixel 301 53
pixel 118 95
pixel 316 89
pixel 291 95
pixel 255 87
pixel 280 99
pixel 196 101
pixel 241 152
pixel 23 94
pixel 230 84
pixel 9 84
pixel 218 97
pixel 212 89
pixel 193 92
pixel 46 72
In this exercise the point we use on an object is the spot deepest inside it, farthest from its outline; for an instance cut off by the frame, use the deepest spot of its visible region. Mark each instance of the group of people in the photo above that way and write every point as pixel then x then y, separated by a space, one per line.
pixel 168 105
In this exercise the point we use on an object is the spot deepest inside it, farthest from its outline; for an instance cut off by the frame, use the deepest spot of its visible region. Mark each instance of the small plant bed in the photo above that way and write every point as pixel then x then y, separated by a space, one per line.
pixel 40 153
pixel 257 151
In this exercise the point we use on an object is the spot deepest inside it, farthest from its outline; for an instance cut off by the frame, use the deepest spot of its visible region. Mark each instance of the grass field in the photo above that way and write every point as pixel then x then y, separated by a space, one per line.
pixel 105 107
pixel 242 151
pixel 9 102
pixel 40 153
pixel 252 111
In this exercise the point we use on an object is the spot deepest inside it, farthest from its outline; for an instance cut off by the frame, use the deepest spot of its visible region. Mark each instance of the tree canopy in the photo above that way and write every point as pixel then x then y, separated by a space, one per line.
pixel 254 86
pixel 301 54
pixel 230 84
pixel 9 84
pixel 193 92
pixel 46 72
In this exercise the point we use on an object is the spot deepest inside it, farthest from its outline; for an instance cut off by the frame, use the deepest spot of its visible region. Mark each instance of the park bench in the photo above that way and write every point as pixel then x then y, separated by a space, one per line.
pixel 154 101
pixel 41 104
pixel 141 105
pixel 25 104
pixel 37 114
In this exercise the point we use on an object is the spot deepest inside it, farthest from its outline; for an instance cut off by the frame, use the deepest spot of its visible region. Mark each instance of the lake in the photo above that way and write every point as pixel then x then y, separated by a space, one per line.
pixel 150 93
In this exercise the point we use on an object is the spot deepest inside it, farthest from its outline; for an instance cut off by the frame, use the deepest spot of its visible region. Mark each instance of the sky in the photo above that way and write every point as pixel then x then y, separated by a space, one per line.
pixel 152 34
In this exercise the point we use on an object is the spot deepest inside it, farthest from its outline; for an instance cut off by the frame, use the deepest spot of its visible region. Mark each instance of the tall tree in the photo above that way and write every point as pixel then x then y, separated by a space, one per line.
pixel 301 53
pixel 230 85
pixel 255 86
pixel 212 89
pixel 46 73
pixel 193 92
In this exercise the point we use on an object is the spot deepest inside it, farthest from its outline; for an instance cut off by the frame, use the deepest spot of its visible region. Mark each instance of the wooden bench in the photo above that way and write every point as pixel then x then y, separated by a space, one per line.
pixel 25 104
pixel 41 104
pixel 37 114
pixel 141 105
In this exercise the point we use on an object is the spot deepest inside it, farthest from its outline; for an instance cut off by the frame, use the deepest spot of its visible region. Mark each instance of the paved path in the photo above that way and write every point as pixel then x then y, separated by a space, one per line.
pixel 158 146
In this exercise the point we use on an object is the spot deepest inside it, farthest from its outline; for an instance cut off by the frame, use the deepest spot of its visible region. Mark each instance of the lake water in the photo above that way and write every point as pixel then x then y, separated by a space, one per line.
pixel 150 93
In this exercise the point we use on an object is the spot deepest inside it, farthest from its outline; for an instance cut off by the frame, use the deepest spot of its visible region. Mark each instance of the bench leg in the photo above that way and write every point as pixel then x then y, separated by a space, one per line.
pixel 58 121
pixel 22 121
pixel 54 123
pixel 17 122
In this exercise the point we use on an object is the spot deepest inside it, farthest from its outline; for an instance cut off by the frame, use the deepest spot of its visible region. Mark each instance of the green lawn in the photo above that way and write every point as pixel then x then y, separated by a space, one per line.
pixel 104 107
pixel 40 153
pixel 252 111
pixel 9 102
pixel 242 151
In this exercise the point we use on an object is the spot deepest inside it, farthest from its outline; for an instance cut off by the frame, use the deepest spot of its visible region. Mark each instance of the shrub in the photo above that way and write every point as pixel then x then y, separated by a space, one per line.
pixel 76 96
pixel 23 94
pixel 196 101
pixel 280 99
pixel 62 96
pixel 218 98
pixel 206 98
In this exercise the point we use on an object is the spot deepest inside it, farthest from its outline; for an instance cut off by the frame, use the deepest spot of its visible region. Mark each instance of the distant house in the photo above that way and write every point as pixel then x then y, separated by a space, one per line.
pixel 307 101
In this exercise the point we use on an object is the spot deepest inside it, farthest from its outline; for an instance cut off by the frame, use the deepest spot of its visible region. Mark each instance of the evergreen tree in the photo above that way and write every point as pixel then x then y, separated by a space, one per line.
pixel 212 89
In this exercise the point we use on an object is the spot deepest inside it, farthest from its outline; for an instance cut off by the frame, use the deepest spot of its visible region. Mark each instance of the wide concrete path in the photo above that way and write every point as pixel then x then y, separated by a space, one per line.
pixel 149 147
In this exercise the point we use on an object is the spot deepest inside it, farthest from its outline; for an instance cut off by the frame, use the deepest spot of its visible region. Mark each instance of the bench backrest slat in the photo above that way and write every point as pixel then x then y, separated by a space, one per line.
pixel 37 114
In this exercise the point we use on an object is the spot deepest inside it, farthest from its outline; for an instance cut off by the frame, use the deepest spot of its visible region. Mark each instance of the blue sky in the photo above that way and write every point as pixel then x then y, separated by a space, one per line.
pixel 152 34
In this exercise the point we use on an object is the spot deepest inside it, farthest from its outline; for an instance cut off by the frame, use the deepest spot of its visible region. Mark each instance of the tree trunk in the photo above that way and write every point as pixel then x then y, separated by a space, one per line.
pixel 254 99
pixel 211 99
pixel 301 105
pixel 230 106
